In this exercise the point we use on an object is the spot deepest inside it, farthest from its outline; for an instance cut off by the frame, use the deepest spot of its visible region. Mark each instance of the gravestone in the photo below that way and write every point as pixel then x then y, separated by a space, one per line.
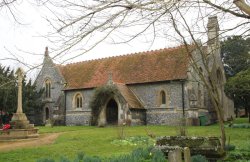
pixel 175 156
pixel 187 155
pixel 210 147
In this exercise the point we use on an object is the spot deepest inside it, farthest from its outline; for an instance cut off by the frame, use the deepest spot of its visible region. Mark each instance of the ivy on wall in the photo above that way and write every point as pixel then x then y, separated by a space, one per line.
pixel 100 97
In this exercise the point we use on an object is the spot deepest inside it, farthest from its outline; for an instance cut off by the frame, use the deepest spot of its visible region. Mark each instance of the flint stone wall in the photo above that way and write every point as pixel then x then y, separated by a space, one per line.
pixel 163 117
pixel 78 116
pixel 148 94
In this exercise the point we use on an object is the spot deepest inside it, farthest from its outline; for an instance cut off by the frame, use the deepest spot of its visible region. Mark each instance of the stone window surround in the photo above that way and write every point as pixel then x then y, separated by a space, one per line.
pixel 163 97
pixel 161 102
pixel 48 87
pixel 77 101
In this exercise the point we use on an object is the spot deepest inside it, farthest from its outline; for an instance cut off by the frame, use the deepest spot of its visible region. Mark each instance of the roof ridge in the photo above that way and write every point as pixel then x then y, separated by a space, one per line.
pixel 128 69
pixel 155 51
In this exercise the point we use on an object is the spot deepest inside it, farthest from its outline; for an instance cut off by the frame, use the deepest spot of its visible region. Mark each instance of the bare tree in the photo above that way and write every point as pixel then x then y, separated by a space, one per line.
pixel 85 24
pixel 14 16
pixel 9 5
pixel 243 5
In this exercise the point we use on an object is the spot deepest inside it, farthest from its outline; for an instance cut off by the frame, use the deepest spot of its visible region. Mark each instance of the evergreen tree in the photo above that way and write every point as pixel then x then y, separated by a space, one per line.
pixel 235 53
pixel 8 92
pixel 32 102
pixel 238 87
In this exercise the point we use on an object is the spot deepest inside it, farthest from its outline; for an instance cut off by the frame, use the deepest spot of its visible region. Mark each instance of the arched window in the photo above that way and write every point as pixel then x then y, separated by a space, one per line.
pixel 47 88
pixel 78 100
pixel 163 97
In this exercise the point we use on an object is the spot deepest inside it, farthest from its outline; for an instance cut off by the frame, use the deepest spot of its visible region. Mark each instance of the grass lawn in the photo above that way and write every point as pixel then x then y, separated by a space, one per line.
pixel 99 141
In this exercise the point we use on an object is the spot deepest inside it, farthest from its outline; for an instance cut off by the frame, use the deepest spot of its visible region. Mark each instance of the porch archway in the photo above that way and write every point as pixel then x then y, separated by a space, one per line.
pixel 112 112
pixel 46 113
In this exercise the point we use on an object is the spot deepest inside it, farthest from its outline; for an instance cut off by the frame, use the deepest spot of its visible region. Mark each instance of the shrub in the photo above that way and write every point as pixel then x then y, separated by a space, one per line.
pixel 80 155
pixel 45 160
pixel 181 128
pixel 244 125
pixel 198 158
pixel 121 132
pixel 91 159
pixel 229 147
pixel 134 140
pixel 139 154
pixel 64 159
pixel 158 156
pixel 243 156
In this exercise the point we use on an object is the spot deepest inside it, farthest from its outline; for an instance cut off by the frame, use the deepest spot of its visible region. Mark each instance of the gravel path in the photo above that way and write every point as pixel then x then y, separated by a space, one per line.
pixel 45 139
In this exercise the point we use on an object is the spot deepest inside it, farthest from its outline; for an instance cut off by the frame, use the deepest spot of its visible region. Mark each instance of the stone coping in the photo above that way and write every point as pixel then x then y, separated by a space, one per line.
pixel 186 137
pixel 206 146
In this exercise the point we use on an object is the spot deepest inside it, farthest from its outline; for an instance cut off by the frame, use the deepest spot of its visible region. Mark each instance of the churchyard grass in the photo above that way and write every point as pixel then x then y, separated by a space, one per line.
pixel 96 141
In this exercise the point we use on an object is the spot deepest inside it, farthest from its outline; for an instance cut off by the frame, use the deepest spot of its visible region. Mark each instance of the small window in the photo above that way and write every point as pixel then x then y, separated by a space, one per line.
pixel 47 88
pixel 78 100
pixel 163 97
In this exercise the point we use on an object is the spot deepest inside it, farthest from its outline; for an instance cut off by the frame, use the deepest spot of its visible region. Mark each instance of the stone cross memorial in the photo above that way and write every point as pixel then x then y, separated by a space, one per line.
pixel 20 125
pixel 19 119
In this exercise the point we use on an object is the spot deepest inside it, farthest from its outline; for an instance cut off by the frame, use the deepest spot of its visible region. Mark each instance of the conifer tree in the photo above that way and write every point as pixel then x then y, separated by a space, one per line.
pixel 32 102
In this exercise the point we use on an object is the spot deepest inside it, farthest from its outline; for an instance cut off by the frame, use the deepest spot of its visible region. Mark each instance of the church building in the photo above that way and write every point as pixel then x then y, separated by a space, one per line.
pixel 158 87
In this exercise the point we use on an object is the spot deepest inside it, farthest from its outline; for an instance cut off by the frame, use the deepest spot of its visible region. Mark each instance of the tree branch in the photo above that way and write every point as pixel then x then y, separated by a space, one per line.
pixel 241 4
pixel 227 10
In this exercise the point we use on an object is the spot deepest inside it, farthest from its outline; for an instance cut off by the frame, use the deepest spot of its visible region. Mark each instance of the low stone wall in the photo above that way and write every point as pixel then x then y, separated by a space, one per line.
pixel 206 146
pixel 78 118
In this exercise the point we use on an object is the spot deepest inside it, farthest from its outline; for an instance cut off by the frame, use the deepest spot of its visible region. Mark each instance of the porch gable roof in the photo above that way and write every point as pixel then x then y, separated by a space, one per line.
pixel 129 96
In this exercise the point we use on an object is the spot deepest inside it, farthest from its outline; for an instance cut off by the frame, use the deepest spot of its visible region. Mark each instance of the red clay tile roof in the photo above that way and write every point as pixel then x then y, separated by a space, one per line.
pixel 144 67
pixel 129 96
